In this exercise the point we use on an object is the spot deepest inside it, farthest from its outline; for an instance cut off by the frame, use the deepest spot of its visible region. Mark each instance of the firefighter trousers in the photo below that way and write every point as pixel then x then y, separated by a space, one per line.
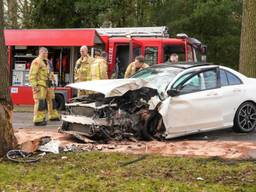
pixel 44 99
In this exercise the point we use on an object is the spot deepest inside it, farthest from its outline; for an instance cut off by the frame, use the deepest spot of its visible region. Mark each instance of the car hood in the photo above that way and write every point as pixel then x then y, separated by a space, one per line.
pixel 111 87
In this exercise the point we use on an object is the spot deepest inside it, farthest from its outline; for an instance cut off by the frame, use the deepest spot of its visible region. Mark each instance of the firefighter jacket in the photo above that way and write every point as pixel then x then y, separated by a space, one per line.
pixel 99 69
pixel 39 74
pixel 82 70
pixel 131 69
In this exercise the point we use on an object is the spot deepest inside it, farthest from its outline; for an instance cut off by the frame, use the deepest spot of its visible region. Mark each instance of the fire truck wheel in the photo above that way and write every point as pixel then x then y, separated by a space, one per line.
pixel 60 101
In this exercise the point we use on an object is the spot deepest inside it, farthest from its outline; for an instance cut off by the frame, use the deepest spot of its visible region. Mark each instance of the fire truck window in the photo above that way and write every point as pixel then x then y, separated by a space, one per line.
pixel 151 55
pixel 178 49
pixel 136 52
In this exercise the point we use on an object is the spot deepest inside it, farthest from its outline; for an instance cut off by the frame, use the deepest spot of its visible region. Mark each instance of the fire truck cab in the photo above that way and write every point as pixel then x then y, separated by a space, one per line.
pixel 121 45
pixel 124 44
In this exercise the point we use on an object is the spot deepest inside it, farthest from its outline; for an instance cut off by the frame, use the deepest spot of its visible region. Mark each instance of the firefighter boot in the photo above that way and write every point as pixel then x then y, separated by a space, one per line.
pixel 40 113
pixel 53 114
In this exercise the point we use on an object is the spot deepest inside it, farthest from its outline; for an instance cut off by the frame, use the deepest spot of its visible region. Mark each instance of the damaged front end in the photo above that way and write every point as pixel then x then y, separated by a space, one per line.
pixel 131 115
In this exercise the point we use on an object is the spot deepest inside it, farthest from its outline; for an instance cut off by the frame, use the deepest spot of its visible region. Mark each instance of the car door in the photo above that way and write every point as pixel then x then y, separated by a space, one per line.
pixel 198 105
pixel 232 91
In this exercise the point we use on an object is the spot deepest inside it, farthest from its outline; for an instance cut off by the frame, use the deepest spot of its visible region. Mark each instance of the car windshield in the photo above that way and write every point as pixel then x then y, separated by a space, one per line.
pixel 159 78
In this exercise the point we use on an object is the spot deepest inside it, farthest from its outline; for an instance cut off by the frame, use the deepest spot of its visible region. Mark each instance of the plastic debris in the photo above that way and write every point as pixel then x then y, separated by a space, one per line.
pixel 64 157
pixel 200 179
pixel 52 147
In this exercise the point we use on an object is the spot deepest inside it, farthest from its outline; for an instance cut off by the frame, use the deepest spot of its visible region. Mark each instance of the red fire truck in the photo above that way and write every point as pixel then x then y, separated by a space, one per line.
pixel 120 44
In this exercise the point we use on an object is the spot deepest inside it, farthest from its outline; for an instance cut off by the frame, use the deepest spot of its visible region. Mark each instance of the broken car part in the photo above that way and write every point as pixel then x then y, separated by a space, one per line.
pixel 20 156
pixel 115 117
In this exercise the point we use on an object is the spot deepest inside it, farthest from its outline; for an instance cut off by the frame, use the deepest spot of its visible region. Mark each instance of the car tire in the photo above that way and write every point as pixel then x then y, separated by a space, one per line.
pixel 64 126
pixel 245 118
pixel 60 102
pixel 148 131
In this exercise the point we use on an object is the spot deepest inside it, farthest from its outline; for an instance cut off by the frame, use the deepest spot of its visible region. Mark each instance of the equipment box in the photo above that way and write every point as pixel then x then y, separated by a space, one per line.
pixel 20 78
pixel 20 66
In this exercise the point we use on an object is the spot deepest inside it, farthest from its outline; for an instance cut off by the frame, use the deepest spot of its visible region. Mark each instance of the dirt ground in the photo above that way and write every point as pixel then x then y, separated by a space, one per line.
pixel 224 143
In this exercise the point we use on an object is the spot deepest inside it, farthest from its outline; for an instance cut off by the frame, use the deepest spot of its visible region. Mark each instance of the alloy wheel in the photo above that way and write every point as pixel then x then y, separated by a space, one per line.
pixel 247 117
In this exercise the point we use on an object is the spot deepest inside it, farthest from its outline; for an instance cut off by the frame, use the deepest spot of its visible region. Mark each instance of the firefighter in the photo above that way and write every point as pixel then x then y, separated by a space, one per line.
pixel 53 114
pixel 174 58
pixel 135 66
pixel 82 70
pixel 40 78
pixel 99 68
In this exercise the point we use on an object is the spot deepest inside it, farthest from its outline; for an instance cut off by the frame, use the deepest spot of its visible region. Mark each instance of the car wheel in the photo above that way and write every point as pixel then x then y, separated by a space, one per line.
pixel 60 102
pixel 245 118
pixel 149 131
pixel 64 127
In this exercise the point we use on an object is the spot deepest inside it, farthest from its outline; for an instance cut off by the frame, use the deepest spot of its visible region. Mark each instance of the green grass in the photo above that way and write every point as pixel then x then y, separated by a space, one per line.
pixel 96 171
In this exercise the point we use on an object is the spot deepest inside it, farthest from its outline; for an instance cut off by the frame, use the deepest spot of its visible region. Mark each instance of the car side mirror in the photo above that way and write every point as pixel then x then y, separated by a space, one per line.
pixel 173 92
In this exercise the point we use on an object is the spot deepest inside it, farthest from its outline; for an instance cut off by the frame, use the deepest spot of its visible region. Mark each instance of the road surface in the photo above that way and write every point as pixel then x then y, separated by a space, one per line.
pixel 223 143
pixel 24 120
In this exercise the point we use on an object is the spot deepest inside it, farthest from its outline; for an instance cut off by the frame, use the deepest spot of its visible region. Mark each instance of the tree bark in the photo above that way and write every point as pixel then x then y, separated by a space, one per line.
pixel 12 13
pixel 247 64
pixel 7 138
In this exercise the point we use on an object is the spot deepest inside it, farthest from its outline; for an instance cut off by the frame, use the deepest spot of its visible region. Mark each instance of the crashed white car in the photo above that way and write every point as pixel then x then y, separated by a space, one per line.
pixel 162 102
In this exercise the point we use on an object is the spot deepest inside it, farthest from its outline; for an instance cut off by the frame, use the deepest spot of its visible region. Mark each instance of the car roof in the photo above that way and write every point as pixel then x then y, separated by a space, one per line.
pixel 182 65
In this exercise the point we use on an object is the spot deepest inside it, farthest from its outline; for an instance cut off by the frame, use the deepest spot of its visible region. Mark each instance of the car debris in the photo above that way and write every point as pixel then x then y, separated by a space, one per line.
pixel 51 147
pixel 200 179
pixel 32 145
pixel 20 156
pixel 80 137
pixel 44 144
pixel 120 111
pixel 28 152
pixel 64 157
pixel 232 146
pixel 133 161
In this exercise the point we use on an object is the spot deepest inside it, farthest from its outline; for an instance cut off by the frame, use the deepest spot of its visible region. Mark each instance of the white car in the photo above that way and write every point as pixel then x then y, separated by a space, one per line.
pixel 164 101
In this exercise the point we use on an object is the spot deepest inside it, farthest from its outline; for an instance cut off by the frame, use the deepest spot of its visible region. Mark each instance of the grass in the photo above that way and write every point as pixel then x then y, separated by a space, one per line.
pixel 96 171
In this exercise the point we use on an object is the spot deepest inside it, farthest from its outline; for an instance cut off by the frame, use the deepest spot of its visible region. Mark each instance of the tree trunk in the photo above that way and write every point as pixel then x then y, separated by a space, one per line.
pixel 7 138
pixel 247 63
pixel 12 13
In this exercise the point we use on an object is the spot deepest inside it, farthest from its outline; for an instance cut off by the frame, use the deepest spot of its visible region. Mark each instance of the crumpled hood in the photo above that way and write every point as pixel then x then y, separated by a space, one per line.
pixel 111 87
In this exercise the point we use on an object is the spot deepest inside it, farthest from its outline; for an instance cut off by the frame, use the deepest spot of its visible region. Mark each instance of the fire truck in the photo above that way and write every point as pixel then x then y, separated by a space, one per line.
pixel 121 46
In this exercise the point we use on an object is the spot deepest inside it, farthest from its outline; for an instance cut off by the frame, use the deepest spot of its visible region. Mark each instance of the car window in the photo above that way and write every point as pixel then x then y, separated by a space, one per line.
pixel 232 79
pixel 210 79
pixel 182 78
pixel 199 82
pixel 192 85
pixel 223 78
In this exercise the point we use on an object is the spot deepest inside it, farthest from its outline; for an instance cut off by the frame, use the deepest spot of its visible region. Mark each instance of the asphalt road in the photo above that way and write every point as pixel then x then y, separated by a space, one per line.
pixel 24 120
